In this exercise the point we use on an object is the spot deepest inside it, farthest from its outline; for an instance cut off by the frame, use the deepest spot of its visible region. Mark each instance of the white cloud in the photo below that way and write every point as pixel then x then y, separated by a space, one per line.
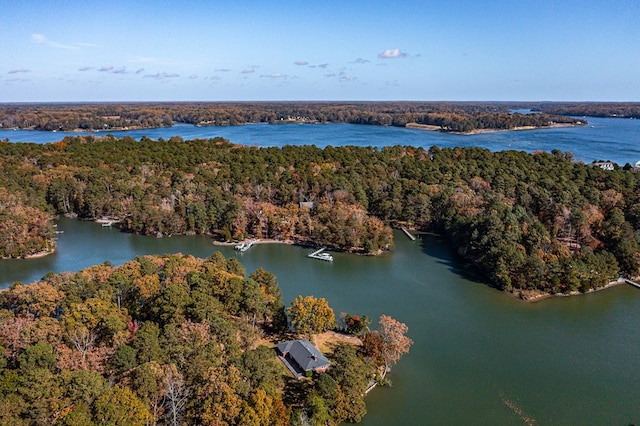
pixel 85 68
pixel 38 38
pixel 213 80
pixel 323 66
pixel 42 39
pixel 18 71
pixel 274 75
pixel 250 69
pixel 391 54
pixel 344 78
pixel 121 70
pixel 87 45
pixel 16 80
pixel 301 63
pixel 347 78
pixel 361 61
pixel 193 77
pixel 139 70
pixel 105 68
pixel 161 75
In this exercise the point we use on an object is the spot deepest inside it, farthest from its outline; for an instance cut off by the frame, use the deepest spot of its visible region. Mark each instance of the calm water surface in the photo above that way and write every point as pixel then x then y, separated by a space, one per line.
pixel 480 356
pixel 612 139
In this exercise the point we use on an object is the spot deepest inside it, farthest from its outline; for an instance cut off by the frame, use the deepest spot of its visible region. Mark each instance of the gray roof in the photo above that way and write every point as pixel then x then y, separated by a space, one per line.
pixel 307 356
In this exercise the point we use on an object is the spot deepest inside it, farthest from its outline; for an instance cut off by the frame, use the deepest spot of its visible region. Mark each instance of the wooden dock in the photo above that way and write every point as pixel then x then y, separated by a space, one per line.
pixel 318 254
pixel 107 221
pixel 636 285
pixel 411 237
pixel 242 247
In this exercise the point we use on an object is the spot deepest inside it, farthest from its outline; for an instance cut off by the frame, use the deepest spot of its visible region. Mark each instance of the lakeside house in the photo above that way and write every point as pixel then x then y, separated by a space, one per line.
pixel 301 357
pixel 604 165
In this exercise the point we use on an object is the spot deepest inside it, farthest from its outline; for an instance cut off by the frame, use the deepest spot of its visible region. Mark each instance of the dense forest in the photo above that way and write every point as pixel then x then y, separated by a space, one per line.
pixel 173 340
pixel 529 222
pixel 448 117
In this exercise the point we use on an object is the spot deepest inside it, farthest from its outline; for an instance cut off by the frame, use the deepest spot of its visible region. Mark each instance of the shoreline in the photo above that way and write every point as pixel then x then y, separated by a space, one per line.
pixel 517 129
pixel 531 296
pixel 430 127
pixel 31 256
pixel 433 128
pixel 412 125
pixel 257 241
pixel 40 254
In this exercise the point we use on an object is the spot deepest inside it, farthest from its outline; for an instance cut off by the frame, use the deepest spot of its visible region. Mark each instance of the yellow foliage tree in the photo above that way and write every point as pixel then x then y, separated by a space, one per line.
pixel 310 315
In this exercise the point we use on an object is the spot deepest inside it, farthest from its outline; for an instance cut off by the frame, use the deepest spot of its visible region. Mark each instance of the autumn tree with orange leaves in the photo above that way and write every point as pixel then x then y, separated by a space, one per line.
pixel 388 343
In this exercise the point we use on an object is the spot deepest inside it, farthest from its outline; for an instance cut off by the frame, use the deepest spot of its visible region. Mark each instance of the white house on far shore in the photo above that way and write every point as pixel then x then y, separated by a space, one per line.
pixel 606 165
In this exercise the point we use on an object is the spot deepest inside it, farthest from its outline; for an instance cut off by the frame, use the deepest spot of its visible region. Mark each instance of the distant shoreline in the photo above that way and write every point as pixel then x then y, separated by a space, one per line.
pixel 412 125
pixel 518 129
pixel 433 128
pixel 430 127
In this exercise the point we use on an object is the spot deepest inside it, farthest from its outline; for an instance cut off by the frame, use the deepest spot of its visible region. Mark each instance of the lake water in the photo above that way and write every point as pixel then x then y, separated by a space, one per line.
pixel 611 139
pixel 480 356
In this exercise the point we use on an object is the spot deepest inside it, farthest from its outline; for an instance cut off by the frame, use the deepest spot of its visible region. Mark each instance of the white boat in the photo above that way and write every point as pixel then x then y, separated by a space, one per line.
pixel 325 256
pixel 242 247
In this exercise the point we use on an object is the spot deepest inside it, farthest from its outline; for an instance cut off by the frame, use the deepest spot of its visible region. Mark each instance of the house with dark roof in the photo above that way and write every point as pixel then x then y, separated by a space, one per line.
pixel 301 357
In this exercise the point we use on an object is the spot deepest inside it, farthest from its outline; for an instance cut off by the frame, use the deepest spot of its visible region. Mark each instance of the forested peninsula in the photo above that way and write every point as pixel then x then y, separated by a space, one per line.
pixel 178 340
pixel 442 116
pixel 529 222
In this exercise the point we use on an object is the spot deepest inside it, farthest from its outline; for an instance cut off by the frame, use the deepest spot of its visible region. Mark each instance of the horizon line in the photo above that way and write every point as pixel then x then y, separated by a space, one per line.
pixel 314 101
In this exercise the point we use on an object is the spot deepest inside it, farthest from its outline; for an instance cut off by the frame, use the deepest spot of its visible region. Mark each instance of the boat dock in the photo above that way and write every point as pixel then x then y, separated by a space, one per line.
pixel 636 285
pixel 107 221
pixel 318 254
pixel 411 237
pixel 242 247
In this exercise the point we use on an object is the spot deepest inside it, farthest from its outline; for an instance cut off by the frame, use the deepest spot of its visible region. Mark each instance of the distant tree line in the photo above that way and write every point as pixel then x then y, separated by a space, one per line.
pixel 594 109
pixel 450 117
pixel 529 221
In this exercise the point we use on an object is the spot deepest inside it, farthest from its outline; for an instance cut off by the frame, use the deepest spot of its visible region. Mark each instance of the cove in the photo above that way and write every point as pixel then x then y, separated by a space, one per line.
pixel 480 356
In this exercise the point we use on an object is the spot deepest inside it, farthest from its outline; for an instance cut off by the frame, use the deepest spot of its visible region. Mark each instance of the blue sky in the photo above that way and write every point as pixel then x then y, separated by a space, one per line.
pixel 324 50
